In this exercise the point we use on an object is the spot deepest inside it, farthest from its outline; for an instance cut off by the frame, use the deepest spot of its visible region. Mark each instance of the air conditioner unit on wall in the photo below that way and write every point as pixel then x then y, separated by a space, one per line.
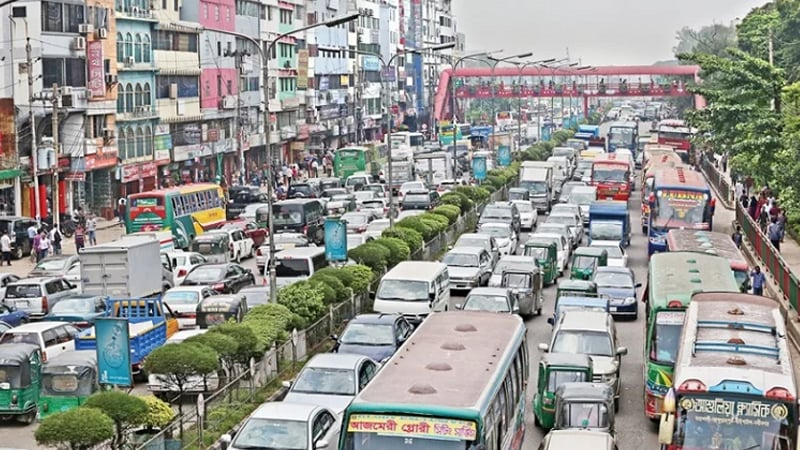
pixel 85 28
pixel 173 91
pixel 102 33
pixel 79 43
pixel 129 61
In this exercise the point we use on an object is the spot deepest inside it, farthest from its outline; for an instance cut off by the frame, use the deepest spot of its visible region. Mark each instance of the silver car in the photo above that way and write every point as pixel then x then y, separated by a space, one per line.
pixel 489 243
pixel 469 267
pixel 377 206
pixel 331 380
pixel 616 253
pixel 528 216
pixel 36 296
pixel 376 227
pixel 504 235
pixel 282 242
pixel 571 220
pixel 55 266
pixel 282 425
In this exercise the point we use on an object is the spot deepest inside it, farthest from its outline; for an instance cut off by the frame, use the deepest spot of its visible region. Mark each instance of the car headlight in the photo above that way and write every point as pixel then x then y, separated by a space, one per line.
pixel 610 378
pixel 629 301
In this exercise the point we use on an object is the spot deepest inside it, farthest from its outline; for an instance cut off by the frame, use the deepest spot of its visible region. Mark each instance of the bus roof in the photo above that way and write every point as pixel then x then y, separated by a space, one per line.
pixel 708 242
pixel 680 177
pixel 624 125
pixel 676 276
pixel 451 361
pixel 734 338
pixel 184 189
pixel 354 147
pixel 612 158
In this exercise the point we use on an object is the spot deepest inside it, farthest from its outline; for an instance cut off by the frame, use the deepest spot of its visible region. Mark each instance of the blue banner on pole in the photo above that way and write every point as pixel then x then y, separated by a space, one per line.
pixel 504 155
pixel 335 240
pixel 545 133
pixel 113 351
pixel 479 167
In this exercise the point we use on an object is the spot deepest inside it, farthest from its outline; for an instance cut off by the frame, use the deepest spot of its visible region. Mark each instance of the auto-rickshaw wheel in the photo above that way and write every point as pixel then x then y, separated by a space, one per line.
pixel 616 405
pixel 536 420
pixel 28 418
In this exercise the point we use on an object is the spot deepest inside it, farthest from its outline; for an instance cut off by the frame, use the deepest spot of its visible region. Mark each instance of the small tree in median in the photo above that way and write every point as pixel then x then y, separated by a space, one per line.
pixel 159 413
pixel 177 364
pixel 76 429
pixel 125 410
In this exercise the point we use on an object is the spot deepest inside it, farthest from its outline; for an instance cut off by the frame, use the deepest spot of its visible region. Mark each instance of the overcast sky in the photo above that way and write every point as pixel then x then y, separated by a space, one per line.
pixel 604 32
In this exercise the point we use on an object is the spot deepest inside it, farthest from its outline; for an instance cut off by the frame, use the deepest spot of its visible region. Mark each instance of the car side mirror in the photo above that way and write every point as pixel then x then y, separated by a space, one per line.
pixel 622 351
pixel 335 338
pixel 287 384
pixel 544 347
pixel 459 307
pixel 551 321
pixel 225 439
pixel 638 285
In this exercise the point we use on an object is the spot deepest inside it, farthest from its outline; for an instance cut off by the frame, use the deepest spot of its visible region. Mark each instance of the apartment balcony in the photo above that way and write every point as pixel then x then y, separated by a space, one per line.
pixel 144 112
pixel 184 109
pixel 131 65
pixel 135 13
pixel 177 63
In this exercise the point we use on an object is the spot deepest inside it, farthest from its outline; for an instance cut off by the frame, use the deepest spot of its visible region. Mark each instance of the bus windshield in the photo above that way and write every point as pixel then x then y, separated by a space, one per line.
pixel 708 421
pixel 534 187
pixel 676 206
pixel 368 432
pixel 609 172
pixel 666 336
pixel 621 136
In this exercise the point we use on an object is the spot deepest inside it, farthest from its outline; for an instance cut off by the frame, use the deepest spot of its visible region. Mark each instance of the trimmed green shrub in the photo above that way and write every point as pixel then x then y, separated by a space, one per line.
pixel 302 299
pixel 450 212
pixel 398 250
pixel 433 223
pixel 271 322
pixel 341 292
pixel 437 217
pixel 488 187
pixel 362 277
pixel 417 225
pixel 452 200
pixel 412 238
pixel 336 272
pixel 328 294
pixel 496 181
pixel 371 255
pixel 464 201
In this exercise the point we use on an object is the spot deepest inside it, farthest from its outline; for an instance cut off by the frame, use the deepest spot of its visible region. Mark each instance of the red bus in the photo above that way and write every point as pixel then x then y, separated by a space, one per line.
pixel 677 134
pixel 611 174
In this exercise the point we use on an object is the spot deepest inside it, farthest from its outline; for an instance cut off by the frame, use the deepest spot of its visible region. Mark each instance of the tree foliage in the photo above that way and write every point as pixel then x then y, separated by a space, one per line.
pixel 712 39
pixel 179 364
pixel 159 413
pixel 75 429
pixel 127 411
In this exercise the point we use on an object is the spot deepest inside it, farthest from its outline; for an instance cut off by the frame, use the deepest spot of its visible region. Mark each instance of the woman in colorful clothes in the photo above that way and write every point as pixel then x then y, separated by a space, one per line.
pixel 79 238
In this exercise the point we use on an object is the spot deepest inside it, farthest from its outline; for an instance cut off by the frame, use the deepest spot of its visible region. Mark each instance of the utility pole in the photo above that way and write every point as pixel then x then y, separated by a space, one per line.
pixel 238 122
pixel 55 205
pixel 31 117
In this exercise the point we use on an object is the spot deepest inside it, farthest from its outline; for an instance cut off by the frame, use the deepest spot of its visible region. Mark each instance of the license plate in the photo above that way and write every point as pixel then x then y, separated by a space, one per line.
pixel 612 308
pixel 23 303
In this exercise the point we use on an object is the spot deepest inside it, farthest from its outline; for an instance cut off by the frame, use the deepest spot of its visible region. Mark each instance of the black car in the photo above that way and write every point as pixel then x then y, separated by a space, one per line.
pixel 302 190
pixel 376 336
pixel 420 200
pixel 242 197
pixel 17 227
pixel 226 278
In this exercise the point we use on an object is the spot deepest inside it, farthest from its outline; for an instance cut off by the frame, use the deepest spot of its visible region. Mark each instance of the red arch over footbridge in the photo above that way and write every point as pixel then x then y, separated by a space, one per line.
pixel 583 84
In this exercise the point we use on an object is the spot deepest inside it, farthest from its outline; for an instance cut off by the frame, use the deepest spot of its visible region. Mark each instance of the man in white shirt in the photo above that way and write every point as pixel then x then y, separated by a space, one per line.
pixel 5 247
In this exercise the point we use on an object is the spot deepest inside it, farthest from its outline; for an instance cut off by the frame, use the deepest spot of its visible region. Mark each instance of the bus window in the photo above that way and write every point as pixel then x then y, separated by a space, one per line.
pixel 202 200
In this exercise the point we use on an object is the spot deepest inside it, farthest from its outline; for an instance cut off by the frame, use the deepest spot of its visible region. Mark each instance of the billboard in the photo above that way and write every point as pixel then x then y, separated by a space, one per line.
pixel 113 351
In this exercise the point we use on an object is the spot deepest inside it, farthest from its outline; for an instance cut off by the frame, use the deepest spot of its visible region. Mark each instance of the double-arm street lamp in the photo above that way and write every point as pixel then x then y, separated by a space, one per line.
pixel 385 66
pixel 264 53
pixel 553 78
pixel 494 63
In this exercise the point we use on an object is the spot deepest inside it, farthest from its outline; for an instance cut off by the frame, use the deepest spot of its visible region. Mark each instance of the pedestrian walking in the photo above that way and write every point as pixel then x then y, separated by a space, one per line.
pixel 759 280
pixel 44 246
pixel 782 223
pixel 774 233
pixel 736 237
pixel 37 239
pixel 79 238
pixel 91 230
pixel 55 240
pixel 5 247
pixel 121 203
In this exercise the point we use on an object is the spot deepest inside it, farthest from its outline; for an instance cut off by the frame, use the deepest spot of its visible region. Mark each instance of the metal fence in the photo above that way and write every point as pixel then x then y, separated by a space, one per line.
pixel 769 257
pixel 225 409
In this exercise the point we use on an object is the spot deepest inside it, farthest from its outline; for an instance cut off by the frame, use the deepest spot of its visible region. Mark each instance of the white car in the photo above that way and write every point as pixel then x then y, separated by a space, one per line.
pixel 378 207
pixel 183 301
pixel 528 216
pixel 507 240
pixel 279 425
pixel 356 239
pixel 243 245
pixel 573 221
pixel 282 242
pixel 182 263
pixel 617 257
pixel 412 186
pixel 375 228
pixel 562 248
pixel 364 196
pixel 249 212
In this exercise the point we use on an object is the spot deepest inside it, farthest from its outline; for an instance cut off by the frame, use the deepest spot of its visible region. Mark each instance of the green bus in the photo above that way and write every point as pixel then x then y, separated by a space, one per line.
pixel 458 383
pixel 673 278
pixel 350 160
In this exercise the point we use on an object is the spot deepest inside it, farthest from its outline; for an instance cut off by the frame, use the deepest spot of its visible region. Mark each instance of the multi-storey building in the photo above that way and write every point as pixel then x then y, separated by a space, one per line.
pixel 249 119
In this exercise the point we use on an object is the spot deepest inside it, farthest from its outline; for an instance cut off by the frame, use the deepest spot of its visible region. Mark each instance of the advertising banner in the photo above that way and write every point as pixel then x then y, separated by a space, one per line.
pixel 335 240
pixel 504 155
pixel 302 69
pixel 479 167
pixel 94 61
pixel 113 351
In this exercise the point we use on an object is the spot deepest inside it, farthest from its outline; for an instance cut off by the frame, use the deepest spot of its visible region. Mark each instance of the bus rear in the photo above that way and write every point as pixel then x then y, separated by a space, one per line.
pixel 622 135
pixel 410 402
pixel 147 211
pixel 681 198
pixel 712 243
pixel 348 161
pixel 678 135
pixel 611 177
pixel 672 280
pixel 734 384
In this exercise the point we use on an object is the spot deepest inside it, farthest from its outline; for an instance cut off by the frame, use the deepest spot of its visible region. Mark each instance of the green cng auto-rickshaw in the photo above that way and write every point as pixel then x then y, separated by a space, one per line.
pixel 67 381
pixel 586 260
pixel 20 381
pixel 556 369
pixel 546 254
pixel 585 406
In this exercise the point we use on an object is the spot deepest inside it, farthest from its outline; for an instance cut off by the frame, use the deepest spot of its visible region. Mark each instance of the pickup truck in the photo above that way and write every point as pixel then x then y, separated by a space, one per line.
pixel 150 323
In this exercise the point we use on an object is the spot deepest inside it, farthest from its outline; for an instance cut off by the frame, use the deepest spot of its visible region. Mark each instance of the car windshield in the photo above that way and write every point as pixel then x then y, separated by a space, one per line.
pixel 496 231
pixel 606 231
pixel 492 303
pixel 581 341
pixel 559 377
pixel 52 265
pixel 609 174
pixel 524 207
pixel 181 298
pixel 355 219
pixel 585 415
pixel 23 291
pixel 272 434
pixel 613 251
pixel 300 188
pixel 325 381
pixel 368 334
pixel 420 198
pixel 536 252
pixel 566 220
pixel 666 336
pixel 613 279
pixel 582 198
pixel 205 274
pixel 496 211
pixel 460 260
pixel 534 187
pixel 403 290
pixel 287 214
pixel 517 280
pixel 584 262
pixel 73 306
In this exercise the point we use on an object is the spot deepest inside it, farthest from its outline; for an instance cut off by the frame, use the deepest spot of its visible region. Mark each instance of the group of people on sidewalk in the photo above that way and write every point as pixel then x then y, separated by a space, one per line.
pixel 764 210
pixel 44 242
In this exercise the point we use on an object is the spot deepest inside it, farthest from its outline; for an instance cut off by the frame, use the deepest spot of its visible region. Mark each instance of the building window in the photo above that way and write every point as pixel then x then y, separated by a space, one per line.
pixel 98 125
pixel 120 48
pixel 121 144
pixel 131 140
pixel 128 98
pixel 188 86
pixel 146 48
pixel 146 95
pixel 148 141
pixel 128 45
pixel 52 17
pixel 64 72
pixel 137 48
pixel 120 99
pixel 139 142
pixel 138 96
pixel 175 41
pixel 286 16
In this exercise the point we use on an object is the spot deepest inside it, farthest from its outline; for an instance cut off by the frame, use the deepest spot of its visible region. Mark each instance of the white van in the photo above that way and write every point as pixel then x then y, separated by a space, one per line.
pixel 296 264
pixel 54 338
pixel 414 288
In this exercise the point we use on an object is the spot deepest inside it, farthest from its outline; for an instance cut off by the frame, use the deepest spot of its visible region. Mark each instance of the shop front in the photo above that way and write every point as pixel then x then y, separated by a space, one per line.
pixel 162 145
pixel 136 178
pixel 100 181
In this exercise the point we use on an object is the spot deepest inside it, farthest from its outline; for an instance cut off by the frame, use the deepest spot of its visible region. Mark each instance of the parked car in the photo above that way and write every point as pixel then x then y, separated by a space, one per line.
pixel 376 336
pixel 183 301
pixel 37 295
pixel 226 278
pixel 54 266
pixel 331 380
pixel 285 425
pixel 80 310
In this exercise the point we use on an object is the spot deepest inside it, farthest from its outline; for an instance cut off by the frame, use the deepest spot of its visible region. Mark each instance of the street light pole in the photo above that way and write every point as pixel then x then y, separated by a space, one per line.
pixel 494 63
pixel 387 90
pixel 520 67
pixel 264 53
pixel 553 98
